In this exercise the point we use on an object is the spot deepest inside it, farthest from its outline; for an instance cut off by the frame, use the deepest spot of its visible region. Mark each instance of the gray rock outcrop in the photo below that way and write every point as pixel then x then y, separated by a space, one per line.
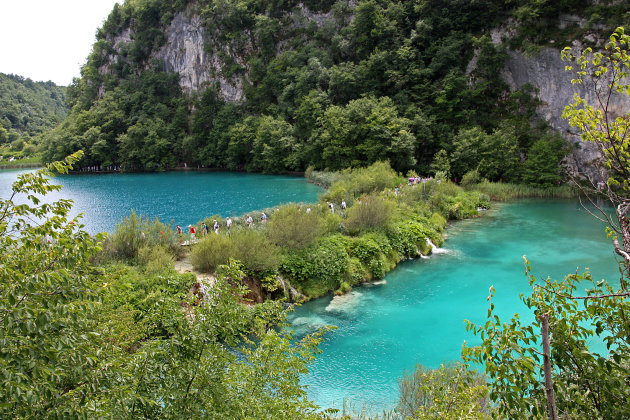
pixel 545 71
pixel 184 53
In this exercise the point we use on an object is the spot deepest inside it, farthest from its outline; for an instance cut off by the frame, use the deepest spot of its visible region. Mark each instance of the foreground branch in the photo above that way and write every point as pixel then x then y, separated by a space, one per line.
pixel 551 398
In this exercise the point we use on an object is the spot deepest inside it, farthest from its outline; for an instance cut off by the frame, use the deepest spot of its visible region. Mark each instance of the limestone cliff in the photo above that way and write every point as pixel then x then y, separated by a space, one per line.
pixel 186 52
pixel 545 71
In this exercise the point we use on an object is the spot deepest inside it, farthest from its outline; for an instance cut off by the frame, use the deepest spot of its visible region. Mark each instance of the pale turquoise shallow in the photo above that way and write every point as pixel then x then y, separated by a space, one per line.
pixel 182 197
pixel 417 315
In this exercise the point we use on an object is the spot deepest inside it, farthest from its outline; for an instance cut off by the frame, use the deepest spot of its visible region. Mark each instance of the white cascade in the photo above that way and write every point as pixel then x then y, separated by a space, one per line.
pixel 435 250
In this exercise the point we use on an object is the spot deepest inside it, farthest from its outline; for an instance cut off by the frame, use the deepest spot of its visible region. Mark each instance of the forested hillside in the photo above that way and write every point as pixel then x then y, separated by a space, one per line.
pixel 28 108
pixel 329 84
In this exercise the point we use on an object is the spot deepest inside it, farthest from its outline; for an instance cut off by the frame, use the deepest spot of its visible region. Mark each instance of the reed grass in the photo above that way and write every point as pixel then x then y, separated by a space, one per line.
pixel 322 178
pixel 503 192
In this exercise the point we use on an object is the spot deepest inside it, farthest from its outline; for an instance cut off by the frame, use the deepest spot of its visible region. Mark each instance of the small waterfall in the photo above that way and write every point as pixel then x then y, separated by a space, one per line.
pixel 435 250
pixel 289 292
pixel 295 295
pixel 284 285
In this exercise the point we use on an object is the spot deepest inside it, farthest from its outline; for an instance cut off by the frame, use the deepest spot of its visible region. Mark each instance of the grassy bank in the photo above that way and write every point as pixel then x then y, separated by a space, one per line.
pixel 311 249
pixel 32 162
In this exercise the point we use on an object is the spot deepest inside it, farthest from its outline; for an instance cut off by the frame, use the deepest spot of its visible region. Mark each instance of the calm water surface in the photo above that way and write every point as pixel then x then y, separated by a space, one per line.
pixel 182 197
pixel 416 315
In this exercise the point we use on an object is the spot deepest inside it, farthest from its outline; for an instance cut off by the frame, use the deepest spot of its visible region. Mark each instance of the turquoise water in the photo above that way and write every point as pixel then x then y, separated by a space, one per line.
pixel 182 197
pixel 416 315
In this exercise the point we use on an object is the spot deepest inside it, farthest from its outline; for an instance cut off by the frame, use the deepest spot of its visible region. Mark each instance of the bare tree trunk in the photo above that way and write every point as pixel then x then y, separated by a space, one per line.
pixel 551 398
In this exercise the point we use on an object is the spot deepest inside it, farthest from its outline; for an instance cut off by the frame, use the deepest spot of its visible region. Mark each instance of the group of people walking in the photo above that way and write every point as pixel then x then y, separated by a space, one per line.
pixel 216 226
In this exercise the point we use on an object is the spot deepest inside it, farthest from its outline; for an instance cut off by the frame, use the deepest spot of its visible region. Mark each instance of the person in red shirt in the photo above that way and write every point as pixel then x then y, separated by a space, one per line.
pixel 192 232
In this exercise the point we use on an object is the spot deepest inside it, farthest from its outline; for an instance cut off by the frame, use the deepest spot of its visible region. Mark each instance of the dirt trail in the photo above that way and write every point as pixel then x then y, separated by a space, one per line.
pixel 185 266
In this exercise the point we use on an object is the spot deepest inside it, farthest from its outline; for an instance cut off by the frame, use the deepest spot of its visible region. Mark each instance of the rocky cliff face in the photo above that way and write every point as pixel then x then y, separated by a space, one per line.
pixel 545 71
pixel 185 52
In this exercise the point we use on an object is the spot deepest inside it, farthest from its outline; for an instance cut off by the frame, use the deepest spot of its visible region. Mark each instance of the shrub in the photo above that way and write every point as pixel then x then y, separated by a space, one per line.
pixel 331 223
pixel 135 232
pixel 451 391
pixel 143 293
pixel 470 178
pixel 211 252
pixel 407 237
pixel 253 249
pixel 372 213
pixel 437 222
pixel 357 273
pixel 353 183
pixel 292 227
pixel 320 268
pixel 343 289
pixel 371 250
pixel 457 204
pixel 155 258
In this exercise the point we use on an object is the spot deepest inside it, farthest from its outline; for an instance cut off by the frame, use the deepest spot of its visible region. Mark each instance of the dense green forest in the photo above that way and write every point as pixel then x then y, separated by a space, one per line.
pixel 27 110
pixel 382 80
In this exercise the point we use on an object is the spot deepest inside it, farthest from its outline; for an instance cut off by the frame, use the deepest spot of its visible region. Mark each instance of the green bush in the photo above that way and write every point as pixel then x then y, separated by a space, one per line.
pixel 136 291
pixel 357 273
pixel 135 232
pixel 331 223
pixel 353 183
pixel 343 289
pixel 457 204
pixel 437 222
pixel 320 268
pixel 253 249
pixel 451 391
pixel 407 237
pixel 211 252
pixel 155 258
pixel 470 178
pixel 292 227
pixel 372 213
pixel 372 251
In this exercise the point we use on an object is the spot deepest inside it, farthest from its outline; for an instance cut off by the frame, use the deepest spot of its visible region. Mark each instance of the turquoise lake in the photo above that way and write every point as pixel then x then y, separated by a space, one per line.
pixel 416 315
pixel 181 197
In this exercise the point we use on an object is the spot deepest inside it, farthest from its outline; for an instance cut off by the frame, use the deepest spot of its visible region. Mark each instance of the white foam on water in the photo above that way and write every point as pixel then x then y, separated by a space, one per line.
pixel 435 250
